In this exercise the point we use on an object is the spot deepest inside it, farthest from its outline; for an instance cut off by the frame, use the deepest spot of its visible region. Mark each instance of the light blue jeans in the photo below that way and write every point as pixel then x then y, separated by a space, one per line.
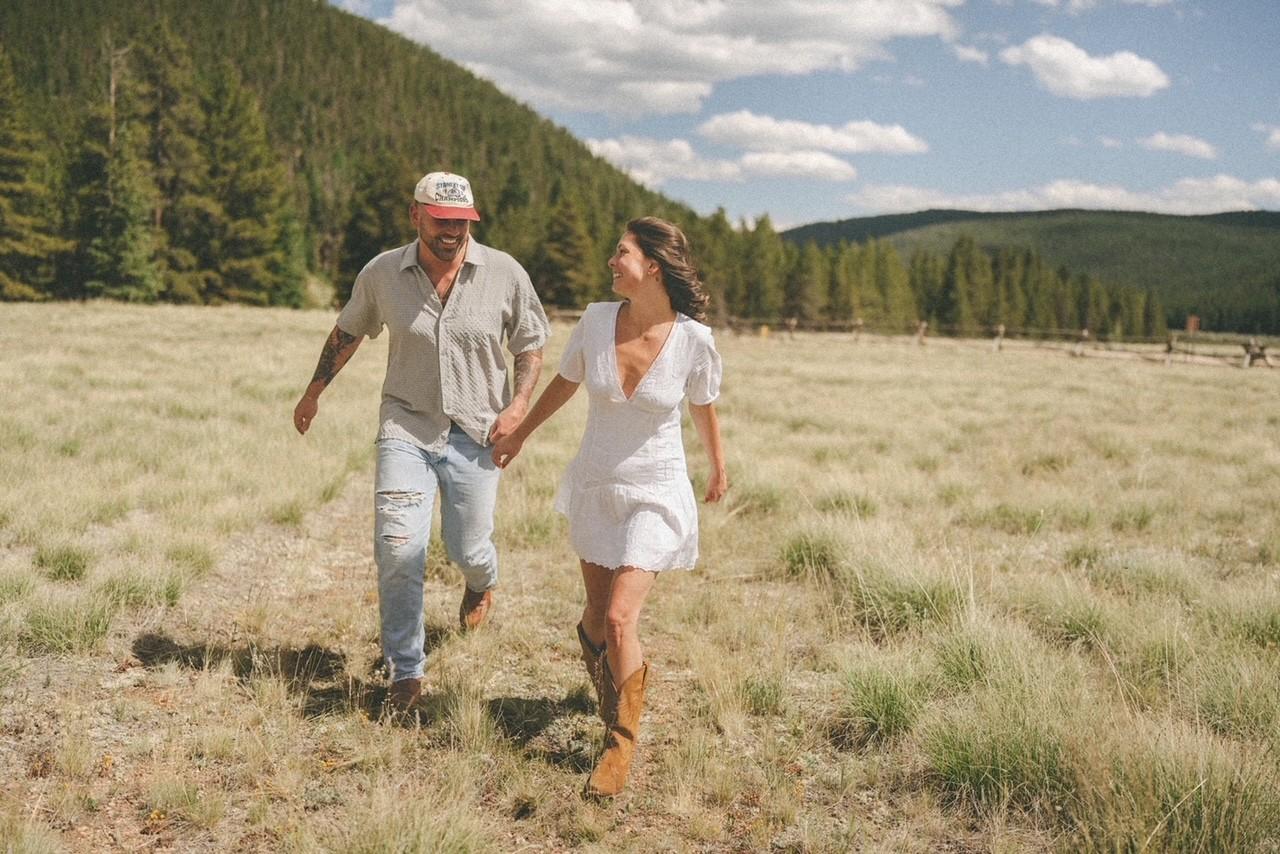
pixel 404 490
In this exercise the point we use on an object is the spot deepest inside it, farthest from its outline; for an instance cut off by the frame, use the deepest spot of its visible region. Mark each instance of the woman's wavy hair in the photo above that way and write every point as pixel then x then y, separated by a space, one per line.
pixel 665 244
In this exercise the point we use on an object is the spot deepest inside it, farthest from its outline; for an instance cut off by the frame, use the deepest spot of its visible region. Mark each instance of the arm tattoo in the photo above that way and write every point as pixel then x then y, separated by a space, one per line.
pixel 528 367
pixel 337 349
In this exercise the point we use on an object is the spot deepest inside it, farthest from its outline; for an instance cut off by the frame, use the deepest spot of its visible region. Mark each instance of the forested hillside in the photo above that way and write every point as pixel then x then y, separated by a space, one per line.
pixel 208 153
pixel 1224 268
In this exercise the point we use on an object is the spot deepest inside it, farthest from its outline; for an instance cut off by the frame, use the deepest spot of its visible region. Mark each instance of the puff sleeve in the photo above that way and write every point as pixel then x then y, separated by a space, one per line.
pixel 703 385
pixel 573 362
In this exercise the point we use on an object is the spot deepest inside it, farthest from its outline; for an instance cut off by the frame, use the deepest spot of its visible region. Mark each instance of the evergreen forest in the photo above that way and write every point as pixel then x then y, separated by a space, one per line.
pixel 262 151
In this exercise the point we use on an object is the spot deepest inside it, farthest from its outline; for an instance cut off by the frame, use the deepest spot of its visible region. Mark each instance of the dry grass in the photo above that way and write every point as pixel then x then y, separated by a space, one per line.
pixel 957 600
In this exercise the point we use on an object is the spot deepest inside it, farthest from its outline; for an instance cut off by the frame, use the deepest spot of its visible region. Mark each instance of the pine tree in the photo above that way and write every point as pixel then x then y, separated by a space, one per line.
pixel 718 258
pixel 805 285
pixel 255 257
pixel 28 241
pixel 926 273
pixel 954 308
pixel 840 306
pixel 121 258
pixel 561 271
pixel 894 287
pixel 168 105
pixel 379 216
pixel 1153 316
pixel 762 270
pixel 116 252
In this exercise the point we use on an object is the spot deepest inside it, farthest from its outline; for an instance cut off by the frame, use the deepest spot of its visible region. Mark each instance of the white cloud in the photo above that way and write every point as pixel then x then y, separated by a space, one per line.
pixel 653 162
pixel 1273 135
pixel 1077 6
pixel 745 129
pixel 798 164
pixel 1187 196
pixel 633 57
pixel 1065 69
pixel 971 54
pixel 1179 144
pixel 1110 142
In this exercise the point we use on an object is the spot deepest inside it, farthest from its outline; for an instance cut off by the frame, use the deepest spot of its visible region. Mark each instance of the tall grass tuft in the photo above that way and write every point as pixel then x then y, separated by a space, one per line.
pixel 812 555
pixel 859 506
pixel 196 559
pixel 141 589
pixel 63 563
pixel 1170 789
pixel 24 836
pixel 405 820
pixel 876 706
pixel 66 625
pixel 999 754
pixel 14 586
pixel 886 603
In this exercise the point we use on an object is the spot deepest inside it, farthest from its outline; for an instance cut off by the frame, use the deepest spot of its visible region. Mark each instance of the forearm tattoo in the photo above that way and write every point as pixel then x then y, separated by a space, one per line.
pixel 334 355
pixel 528 367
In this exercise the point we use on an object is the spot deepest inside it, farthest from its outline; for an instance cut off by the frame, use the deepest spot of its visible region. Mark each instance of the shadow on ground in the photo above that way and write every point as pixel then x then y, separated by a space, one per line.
pixel 316 675
pixel 559 731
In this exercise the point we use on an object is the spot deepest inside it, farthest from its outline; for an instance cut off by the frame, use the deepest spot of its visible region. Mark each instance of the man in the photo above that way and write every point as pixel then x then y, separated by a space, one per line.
pixel 448 302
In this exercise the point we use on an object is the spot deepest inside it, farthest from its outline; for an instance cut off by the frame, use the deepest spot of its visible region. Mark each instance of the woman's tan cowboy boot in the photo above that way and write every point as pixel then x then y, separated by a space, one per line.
pixel 610 774
pixel 594 660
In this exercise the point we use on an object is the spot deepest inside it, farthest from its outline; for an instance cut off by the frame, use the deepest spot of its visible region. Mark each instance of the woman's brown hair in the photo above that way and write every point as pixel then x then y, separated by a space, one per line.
pixel 665 244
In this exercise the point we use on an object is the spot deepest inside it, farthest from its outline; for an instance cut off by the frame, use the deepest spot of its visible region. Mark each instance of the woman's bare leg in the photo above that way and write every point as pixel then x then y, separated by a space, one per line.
pixel 597 580
pixel 622 619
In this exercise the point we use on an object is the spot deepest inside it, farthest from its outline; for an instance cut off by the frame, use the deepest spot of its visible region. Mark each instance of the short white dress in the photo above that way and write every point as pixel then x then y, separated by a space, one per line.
pixel 627 493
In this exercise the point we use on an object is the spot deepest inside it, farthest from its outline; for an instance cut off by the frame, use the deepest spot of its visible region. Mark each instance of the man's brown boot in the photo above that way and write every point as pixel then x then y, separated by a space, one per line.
pixel 404 693
pixel 614 764
pixel 475 608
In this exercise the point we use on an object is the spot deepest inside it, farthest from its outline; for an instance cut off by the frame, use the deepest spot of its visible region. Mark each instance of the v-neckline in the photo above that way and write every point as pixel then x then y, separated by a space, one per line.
pixel 613 349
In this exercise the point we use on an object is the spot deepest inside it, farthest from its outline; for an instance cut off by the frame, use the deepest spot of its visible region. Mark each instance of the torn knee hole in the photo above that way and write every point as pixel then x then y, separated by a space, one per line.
pixel 395 539
pixel 402 496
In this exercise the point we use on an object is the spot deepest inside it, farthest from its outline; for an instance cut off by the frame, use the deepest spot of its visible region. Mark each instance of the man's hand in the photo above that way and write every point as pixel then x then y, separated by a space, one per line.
pixel 507 422
pixel 304 413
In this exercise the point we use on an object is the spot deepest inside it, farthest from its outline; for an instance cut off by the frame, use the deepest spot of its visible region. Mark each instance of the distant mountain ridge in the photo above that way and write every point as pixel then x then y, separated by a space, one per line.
pixel 1223 267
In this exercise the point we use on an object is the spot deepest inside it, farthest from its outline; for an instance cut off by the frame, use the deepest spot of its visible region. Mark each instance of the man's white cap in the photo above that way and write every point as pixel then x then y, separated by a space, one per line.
pixel 446 196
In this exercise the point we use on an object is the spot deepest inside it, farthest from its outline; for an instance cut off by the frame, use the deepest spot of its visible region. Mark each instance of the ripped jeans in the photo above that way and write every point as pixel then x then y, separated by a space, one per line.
pixel 404 492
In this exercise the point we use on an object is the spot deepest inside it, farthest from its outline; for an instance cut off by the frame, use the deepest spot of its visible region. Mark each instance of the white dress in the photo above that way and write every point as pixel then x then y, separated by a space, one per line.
pixel 627 493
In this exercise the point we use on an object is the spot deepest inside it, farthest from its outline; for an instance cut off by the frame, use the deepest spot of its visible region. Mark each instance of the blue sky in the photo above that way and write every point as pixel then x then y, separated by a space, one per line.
pixel 813 110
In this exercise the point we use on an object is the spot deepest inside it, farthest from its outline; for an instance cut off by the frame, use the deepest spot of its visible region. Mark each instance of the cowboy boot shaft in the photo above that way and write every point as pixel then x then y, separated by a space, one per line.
pixel 614 766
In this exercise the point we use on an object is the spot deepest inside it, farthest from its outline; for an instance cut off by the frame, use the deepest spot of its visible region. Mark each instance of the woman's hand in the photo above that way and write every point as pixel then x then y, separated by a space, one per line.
pixel 717 486
pixel 506 449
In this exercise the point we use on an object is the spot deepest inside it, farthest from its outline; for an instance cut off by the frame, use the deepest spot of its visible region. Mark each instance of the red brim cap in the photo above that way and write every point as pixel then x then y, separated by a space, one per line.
pixel 446 212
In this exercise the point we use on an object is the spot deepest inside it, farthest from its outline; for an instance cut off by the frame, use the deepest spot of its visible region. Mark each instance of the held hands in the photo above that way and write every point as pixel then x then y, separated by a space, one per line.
pixel 506 449
pixel 507 421
pixel 304 413
pixel 504 434
pixel 717 486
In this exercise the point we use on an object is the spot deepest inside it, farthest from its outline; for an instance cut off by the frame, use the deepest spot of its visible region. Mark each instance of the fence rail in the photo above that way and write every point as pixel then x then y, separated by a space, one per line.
pixel 1181 347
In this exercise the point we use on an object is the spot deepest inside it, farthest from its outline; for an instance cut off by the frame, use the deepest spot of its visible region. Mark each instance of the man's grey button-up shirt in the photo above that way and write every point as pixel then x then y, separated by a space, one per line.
pixel 445 362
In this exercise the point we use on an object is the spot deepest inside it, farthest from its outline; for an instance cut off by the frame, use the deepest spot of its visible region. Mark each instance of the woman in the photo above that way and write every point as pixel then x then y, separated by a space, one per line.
pixel 627 495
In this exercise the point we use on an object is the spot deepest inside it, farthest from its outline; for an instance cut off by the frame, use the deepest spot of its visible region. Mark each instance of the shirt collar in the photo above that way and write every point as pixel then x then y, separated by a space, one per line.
pixel 476 254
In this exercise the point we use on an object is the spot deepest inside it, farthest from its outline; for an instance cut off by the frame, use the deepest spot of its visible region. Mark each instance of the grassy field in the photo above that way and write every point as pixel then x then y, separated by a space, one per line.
pixel 957 600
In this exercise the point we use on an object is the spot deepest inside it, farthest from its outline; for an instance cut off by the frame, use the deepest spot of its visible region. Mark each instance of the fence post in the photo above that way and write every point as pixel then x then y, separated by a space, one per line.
pixel 1084 339
pixel 998 343
pixel 920 332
